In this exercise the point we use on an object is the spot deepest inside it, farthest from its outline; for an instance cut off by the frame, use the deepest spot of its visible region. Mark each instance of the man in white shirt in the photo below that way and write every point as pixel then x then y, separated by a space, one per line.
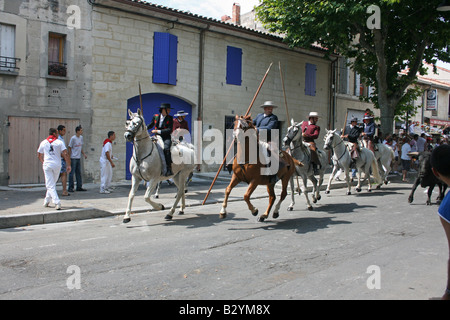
pixel 406 160
pixel 421 143
pixel 106 163
pixel 49 153
pixel 75 151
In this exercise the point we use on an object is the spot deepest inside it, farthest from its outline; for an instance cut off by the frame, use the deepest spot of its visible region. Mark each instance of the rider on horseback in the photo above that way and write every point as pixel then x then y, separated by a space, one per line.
pixel 311 132
pixel 369 132
pixel 353 131
pixel 163 124
pixel 268 121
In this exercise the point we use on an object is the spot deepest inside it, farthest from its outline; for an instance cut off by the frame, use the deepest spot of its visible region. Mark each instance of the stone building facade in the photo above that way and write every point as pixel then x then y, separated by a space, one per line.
pixel 206 67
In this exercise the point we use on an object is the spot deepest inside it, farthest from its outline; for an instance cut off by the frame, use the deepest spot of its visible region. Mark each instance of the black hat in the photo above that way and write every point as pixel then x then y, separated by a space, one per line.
pixel 164 106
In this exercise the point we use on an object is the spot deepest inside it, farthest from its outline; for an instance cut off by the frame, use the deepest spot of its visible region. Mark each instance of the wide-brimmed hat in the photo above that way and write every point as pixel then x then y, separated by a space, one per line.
pixel 354 119
pixel 313 114
pixel 269 104
pixel 164 106
pixel 181 113
pixel 367 117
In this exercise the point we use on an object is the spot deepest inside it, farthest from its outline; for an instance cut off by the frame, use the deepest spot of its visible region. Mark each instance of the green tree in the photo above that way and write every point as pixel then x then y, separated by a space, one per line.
pixel 410 32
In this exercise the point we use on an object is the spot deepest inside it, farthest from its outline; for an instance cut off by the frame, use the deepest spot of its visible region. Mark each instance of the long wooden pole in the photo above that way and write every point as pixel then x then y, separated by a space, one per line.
pixel 284 92
pixel 229 149
pixel 140 99
pixel 286 106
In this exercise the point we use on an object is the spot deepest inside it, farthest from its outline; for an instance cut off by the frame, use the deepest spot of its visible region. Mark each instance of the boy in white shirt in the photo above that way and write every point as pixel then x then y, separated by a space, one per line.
pixel 106 163
pixel 49 153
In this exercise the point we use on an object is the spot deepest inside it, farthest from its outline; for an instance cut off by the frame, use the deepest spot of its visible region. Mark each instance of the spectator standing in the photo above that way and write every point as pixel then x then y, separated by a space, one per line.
pixel 76 150
pixel 49 153
pixel 63 173
pixel 406 160
pixel 421 143
pixel 106 163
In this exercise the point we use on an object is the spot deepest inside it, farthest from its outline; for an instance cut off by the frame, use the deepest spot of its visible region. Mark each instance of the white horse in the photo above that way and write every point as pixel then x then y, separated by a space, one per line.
pixel 342 159
pixel 146 164
pixel 301 152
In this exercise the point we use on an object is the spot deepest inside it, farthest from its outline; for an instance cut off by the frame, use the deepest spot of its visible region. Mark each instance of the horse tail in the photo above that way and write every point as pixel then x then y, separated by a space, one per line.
pixel 375 171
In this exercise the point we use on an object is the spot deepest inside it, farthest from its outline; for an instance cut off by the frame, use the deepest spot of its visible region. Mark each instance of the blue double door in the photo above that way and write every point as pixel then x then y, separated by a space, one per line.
pixel 150 104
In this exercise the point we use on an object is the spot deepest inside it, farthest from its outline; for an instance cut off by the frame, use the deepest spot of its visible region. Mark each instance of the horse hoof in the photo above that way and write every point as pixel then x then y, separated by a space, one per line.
pixel 180 213
pixel 290 209
pixel 369 190
pixel 319 197
pixel 275 215
pixel 222 215
pixel 314 200
pixel 349 193
pixel 310 208
pixel 126 220
pixel 162 207
pixel 168 217
pixel 327 192
pixel 378 187
pixel 255 213
pixel 261 219
pixel 358 190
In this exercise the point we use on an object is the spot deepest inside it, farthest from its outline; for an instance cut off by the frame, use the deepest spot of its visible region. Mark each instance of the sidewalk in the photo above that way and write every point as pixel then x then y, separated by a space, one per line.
pixel 22 206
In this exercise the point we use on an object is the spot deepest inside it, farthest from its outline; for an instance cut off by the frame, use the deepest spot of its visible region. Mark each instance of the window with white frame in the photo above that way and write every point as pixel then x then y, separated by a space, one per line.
pixel 8 60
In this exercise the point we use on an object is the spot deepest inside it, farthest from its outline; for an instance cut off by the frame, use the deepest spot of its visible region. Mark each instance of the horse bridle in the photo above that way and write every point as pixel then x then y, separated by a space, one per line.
pixel 133 132
pixel 331 147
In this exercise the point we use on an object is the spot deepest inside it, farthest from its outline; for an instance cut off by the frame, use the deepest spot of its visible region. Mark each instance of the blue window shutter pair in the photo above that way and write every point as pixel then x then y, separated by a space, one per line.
pixel 310 79
pixel 234 65
pixel 165 50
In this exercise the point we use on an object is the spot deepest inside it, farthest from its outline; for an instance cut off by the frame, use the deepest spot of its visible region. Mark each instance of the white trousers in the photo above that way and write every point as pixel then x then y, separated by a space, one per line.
pixel 105 175
pixel 51 177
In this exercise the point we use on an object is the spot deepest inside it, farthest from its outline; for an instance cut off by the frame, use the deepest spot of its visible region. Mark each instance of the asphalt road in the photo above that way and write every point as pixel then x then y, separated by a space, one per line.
pixel 363 246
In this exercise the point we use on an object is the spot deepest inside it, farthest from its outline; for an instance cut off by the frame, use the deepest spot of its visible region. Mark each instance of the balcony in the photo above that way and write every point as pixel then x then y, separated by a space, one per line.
pixel 57 69
pixel 9 64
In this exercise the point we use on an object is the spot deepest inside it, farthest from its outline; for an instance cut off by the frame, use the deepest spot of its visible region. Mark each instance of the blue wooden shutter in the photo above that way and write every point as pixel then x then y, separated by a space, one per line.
pixel 234 65
pixel 165 50
pixel 310 79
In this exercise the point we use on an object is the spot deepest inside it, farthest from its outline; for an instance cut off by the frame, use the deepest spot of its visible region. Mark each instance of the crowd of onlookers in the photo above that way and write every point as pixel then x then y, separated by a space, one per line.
pixel 406 148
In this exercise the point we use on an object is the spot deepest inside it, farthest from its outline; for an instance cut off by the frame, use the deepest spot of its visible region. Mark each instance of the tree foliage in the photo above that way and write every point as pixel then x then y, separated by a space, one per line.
pixel 411 31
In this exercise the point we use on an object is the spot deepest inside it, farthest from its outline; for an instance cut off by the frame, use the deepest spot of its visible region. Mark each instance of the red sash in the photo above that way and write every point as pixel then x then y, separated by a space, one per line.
pixel 51 138
pixel 106 141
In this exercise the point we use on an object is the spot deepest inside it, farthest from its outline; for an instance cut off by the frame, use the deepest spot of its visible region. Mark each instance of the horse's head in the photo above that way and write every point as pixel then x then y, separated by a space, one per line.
pixel 329 137
pixel 294 133
pixel 135 126
pixel 242 124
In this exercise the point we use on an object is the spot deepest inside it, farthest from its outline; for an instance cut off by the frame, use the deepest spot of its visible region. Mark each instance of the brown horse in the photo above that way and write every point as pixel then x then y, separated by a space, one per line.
pixel 247 167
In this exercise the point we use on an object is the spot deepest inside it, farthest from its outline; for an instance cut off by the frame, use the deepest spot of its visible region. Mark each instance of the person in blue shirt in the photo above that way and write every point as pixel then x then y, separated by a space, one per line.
pixel 440 163
pixel 267 120
pixel 369 132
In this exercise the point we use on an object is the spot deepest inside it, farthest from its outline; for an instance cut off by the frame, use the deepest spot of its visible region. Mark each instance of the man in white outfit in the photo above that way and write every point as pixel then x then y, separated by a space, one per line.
pixel 49 153
pixel 106 163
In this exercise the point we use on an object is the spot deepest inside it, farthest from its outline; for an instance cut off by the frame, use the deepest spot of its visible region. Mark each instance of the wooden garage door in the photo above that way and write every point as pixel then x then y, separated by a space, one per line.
pixel 25 135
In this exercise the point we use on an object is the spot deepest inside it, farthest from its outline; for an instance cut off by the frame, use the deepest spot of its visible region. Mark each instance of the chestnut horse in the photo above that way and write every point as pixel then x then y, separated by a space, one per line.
pixel 249 170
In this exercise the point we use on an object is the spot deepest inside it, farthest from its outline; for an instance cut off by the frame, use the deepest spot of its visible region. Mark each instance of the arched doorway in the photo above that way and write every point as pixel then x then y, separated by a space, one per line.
pixel 150 105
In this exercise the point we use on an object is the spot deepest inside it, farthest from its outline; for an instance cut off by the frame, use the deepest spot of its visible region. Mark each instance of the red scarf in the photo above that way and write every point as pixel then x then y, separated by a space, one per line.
pixel 51 138
pixel 106 141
